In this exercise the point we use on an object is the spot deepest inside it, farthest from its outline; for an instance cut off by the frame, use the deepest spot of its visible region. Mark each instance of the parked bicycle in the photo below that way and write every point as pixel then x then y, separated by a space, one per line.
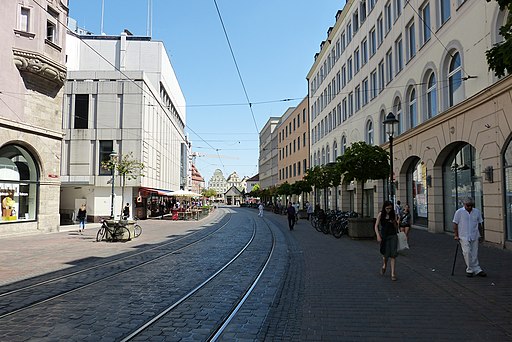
pixel 339 223
pixel 116 232
pixel 137 230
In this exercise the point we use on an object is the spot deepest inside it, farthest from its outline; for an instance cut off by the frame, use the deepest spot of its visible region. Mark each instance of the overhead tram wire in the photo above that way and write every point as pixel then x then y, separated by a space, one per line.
pixel 236 65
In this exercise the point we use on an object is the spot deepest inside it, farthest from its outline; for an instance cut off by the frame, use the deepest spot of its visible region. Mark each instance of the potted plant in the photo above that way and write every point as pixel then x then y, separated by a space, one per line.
pixel 362 162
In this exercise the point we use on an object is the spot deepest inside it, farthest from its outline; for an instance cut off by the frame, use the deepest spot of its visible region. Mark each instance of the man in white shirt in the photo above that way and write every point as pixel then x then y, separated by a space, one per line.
pixel 260 208
pixel 467 223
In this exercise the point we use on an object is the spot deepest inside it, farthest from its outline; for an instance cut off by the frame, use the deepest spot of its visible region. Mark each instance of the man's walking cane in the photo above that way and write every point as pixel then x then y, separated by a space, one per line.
pixel 455 258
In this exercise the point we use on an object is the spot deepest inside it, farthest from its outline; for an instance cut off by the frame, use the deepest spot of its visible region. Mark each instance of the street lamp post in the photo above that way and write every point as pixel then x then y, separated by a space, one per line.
pixel 389 124
pixel 113 157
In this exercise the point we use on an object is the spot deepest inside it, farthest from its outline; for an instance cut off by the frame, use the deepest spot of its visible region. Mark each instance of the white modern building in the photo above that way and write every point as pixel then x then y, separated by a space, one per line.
pixel 31 86
pixel 121 95
pixel 424 61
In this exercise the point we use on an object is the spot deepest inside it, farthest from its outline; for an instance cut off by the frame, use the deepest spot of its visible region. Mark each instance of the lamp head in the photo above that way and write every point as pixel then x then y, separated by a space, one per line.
pixel 390 123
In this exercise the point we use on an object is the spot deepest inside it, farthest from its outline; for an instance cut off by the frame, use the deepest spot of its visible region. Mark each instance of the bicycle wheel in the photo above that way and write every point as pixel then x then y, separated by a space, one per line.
pixel 336 229
pixel 344 227
pixel 325 227
pixel 137 230
pixel 101 234
pixel 121 233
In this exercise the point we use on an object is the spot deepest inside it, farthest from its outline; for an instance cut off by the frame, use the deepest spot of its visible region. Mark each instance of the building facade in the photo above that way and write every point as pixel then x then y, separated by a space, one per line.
pixel 268 156
pixel 424 61
pixel 32 79
pixel 293 144
pixel 121 95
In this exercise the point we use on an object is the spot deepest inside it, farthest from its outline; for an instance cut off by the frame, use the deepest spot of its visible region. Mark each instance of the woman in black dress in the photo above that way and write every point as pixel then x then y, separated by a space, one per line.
pixel 386 228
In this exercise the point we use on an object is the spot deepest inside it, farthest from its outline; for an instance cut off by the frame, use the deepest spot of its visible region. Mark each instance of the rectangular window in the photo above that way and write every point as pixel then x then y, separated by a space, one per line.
pixel 349 32
pixel 373 42
pixel 349 69
pixel 357 61
pixel 51 25
pixel 358 98
pixel 106 148
pixel 338 82
pixel 298 168
pixel 355 20
pixel 389 65
pixel 382 78
pixel 445 13
pixel 304 115
pixel 411 40
pixel 364 51
pixel 304 139
pixel 399 53
pixel 350 104
pixel 373 84
pixel 343 41
pixel 298 143
pixel 81 111
pixel 343 76
pixel 398 9
pixel 380 30
pixel 362 9
pixel 365 91
pixel 388 17
pixel 338 113
pixel 344 109
pixel 24 24
pixel 425 19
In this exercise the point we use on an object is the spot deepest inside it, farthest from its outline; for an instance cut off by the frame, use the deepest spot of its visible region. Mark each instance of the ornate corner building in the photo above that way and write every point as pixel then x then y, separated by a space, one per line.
pixel 31 88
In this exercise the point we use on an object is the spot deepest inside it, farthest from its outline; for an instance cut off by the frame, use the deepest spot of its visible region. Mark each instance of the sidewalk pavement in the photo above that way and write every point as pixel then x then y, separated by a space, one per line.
pixel 346 299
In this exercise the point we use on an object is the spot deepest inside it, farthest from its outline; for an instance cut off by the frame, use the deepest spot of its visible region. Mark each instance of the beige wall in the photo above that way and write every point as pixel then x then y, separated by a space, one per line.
pixel 483 121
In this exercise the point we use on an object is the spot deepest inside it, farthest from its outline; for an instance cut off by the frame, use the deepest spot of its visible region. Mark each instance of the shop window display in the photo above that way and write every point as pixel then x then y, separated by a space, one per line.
pixel 18 184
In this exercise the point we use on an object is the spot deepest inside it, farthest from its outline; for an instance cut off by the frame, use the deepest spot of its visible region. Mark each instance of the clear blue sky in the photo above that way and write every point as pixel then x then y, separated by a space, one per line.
pixel 274 43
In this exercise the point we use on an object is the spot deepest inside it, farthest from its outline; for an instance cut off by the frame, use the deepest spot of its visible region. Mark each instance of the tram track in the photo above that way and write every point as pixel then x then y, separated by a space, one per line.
pixel 208 291
pixel 208 279
pixel 7 309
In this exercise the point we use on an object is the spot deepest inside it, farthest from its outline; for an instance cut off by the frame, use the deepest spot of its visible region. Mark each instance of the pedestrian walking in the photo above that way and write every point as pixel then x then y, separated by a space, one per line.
pixel 296 206
pixel 291 215
pixel 405 221
pixel 467 223
pixel 81 216
pixel 126 211
pixel 309 210
pixel 386 229
pixel 398 209
pixel 260 208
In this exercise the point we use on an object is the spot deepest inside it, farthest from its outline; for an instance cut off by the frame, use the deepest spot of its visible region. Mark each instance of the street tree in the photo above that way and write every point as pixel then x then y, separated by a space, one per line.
pixel 127 167
pixel 362 162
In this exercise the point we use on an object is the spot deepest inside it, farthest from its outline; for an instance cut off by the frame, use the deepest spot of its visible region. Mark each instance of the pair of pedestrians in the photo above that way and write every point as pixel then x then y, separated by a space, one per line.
pixel 467 223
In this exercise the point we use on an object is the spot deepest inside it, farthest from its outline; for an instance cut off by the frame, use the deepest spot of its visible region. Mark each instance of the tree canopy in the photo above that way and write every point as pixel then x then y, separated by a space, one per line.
pixel 499 57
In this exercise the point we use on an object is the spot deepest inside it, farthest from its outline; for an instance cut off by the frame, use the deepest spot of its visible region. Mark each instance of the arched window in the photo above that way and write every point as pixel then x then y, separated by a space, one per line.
pixel 369 132
pixel 431 96
pixel 335 150
pixel 398 115
pixel 323 156
pixel 19 182
pixel 455 80
pixel 383 134
pixel 343 144
pixel 328 154
pixel 413 109
pixel 314 159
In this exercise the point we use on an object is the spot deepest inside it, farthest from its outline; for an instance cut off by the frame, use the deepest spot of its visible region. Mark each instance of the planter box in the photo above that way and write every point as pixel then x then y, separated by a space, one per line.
pixel 128 224
pixel 361 228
